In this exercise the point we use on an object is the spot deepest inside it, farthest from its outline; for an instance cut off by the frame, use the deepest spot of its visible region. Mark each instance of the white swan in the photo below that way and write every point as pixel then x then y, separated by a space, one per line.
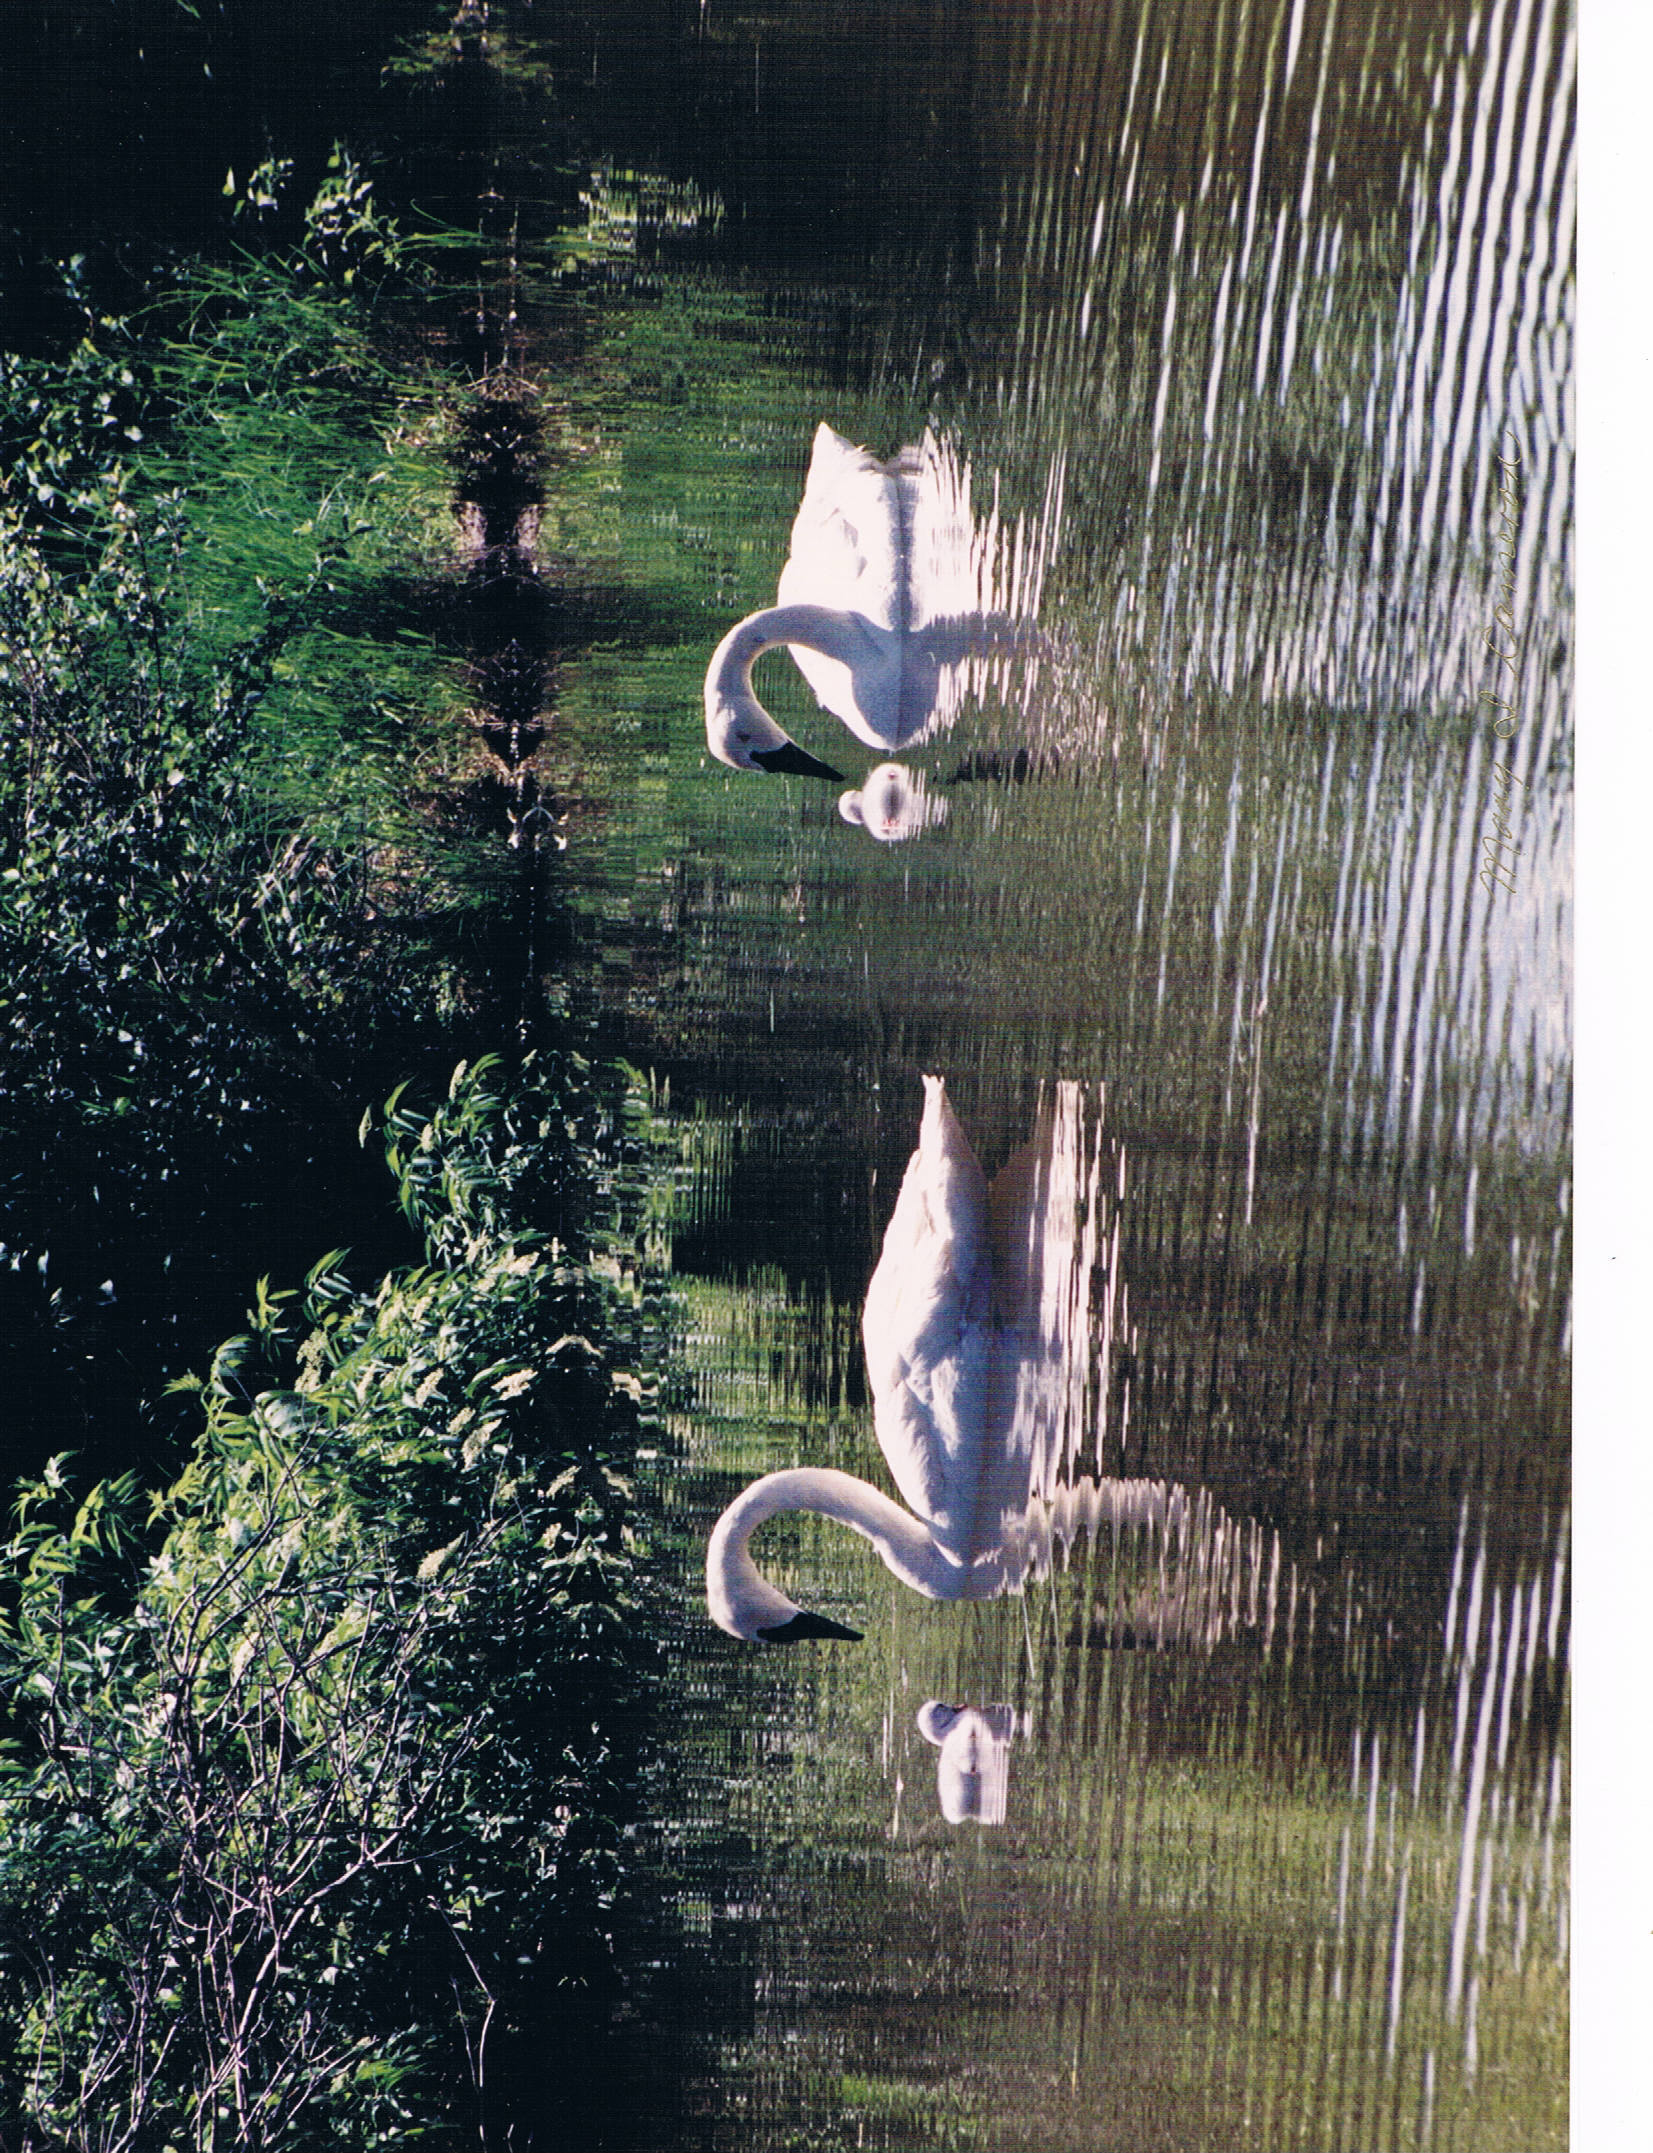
pixel 967 1332
pixel 886 592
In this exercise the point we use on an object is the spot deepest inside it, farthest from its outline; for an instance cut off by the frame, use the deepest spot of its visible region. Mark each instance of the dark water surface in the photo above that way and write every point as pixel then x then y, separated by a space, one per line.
pixel 1254 324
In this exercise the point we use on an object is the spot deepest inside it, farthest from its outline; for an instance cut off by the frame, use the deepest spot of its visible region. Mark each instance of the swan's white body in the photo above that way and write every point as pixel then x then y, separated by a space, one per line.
pixel 885 593
pixel 966 1362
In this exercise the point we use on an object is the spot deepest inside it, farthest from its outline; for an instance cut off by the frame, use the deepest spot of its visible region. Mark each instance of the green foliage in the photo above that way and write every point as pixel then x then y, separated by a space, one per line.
pixel 309 451
pixel 169 966
pixel 65 427
pixel 300 1805
pixel 281 396
pixel 282 330
pixel 345 232
pixel 208 726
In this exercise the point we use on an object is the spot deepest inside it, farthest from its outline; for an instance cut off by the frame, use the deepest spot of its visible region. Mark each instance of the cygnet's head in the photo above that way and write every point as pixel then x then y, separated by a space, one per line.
pixel 973 1769
pixel 892 805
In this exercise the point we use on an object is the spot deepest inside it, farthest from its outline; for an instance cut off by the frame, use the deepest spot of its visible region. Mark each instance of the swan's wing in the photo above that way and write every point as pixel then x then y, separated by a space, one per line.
pixel 949 578
pixel 848 545
pixel 974 588
pixel 1049 1211
pixel 847 555
pixel 927 1328
pixel 944 575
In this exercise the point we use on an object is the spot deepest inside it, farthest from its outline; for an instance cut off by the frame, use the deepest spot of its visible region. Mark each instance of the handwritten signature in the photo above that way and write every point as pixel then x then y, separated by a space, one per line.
pixel 1498 844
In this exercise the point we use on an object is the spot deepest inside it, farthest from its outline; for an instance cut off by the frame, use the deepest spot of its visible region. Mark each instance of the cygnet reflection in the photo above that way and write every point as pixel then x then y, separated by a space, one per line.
pixel 895 803
pixel 893 599
pixel 973 1767
pixel 977 1330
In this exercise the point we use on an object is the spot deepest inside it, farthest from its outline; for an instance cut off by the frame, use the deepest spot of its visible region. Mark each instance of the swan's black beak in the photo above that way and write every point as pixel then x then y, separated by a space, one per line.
pixel 802 1625
pixel 796 762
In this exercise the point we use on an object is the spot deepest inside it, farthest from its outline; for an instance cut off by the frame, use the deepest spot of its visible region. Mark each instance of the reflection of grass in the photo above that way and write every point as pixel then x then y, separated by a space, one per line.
pixel 913 2114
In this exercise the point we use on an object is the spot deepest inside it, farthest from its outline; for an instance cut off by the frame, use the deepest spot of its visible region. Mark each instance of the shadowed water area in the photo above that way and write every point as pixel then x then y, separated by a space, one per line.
pixel 1249 328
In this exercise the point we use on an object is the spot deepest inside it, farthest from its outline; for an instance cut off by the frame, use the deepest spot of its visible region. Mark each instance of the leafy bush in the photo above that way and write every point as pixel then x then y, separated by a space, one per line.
pixel 151 944
pixel 185 986
pixel 168 944
pixel 203 797
pixel 66 426
pixel 300 1809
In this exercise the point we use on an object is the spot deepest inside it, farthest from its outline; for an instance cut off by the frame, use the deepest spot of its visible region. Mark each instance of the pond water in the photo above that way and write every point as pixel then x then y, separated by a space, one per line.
pixel 1251 876
pixel 1230 895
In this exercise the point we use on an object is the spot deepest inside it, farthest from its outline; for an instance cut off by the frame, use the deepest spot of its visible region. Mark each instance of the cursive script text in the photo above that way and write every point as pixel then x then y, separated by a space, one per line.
pixel 1498 844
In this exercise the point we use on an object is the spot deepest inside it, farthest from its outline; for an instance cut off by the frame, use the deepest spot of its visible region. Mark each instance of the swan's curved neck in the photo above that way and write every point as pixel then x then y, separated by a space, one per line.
pixel 836 634
pixel 906 1547
pixel 743 1601
pixel 730 694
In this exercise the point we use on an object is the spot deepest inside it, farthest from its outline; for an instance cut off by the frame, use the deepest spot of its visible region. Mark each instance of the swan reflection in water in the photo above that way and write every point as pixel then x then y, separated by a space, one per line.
pixel 894 804
pixel 1194 1580
pixel 977 1331
pixel 973 1767
pixel 892 588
